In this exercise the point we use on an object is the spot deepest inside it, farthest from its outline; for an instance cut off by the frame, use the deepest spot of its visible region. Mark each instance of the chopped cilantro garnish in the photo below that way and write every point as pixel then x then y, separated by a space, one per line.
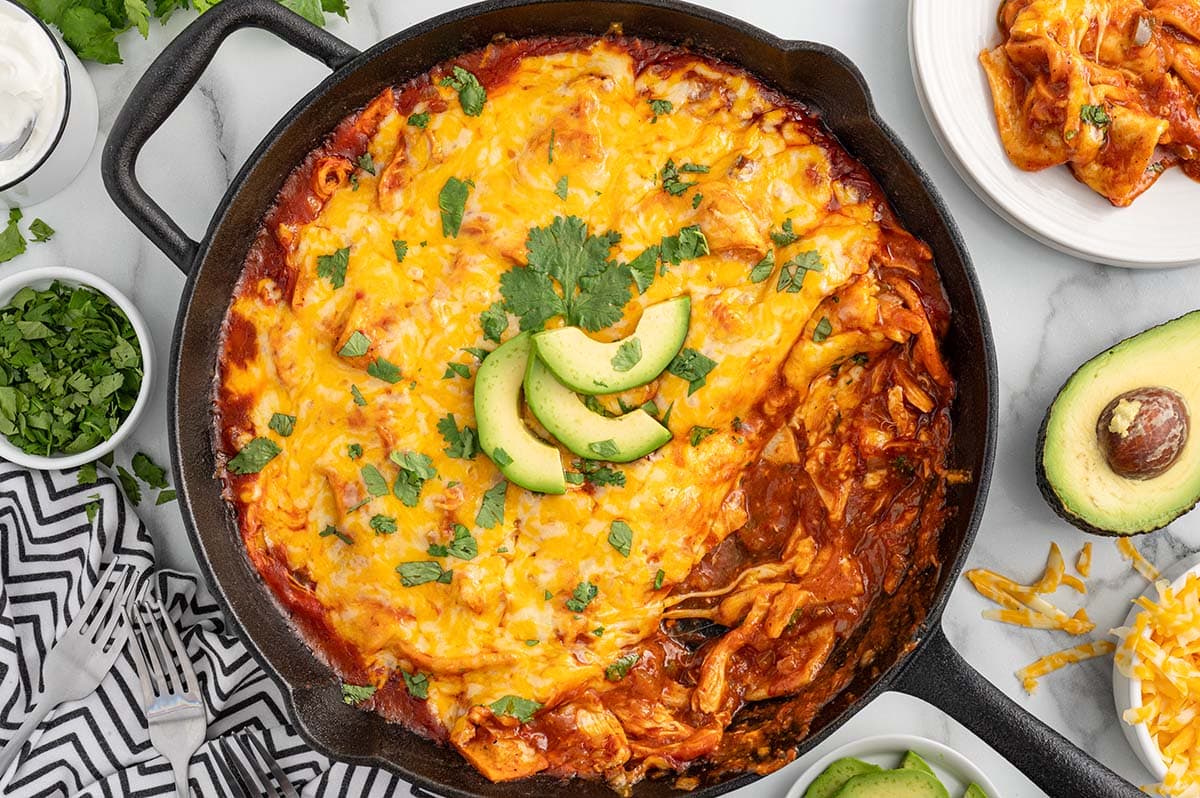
pixel 550 149
pixel 595 473
pixel 671 182
pixel 359 399
pixel 417 684
pixel 460 444
pixel 785 236
pixel 452 201
pixel 476 352
pixel 692 366
pixel 356 345
pixel 354 451
pixel 464 546
pixel 560 188
pixel 605 449
pixel 383 524
pixel 457 370
pixel 822 330
pixel 149 471
pixel 643 267
pixel 385 370
pixel 130 485
pixel 376 485
pixel 491 509
pixel 582 596
pixel 41 231
pixel 12 243
pixel 516 707
pixel 420 120
pixel 471 94
pixel 699 433
pixel 415 469
pixel 762 270
pixel 658 579
pixel 660 108
pixel 423 572
pixel 86 475
pixel 620 667
pixel 689 244
pixel 253 456
pixel 697 198
pixel 594 290
pixel 620 537
pixel 282 423
pixel 356 694
pixel 1095 115
pixel 494 322
pixel 694 168
pixel 366 163
pixel 531 643
pixel 859 358
pixel 333 267
pixel 332 531
pixel 628 355
pixel 598 631
pixel 165 496
pixel 401 250
pixel 792 273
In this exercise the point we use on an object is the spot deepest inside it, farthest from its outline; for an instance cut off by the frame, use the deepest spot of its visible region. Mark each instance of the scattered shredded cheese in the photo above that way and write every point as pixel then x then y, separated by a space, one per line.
pixel 1083 563
pixel 1023 604
pixel 1140 563
pixel 1030 674
pixel 1163 650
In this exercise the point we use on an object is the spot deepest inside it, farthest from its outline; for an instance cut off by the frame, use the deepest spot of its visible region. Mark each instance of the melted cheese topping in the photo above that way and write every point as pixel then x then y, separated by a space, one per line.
pixel 500 626
pixel 1107 86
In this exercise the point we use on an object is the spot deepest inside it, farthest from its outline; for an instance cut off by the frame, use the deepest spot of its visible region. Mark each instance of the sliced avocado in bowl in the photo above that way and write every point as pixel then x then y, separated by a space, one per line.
pixel 913 761
pixel 974 791
pixel 593 367
pixel 587 434
pixel 893 784
pixel 520 455
pixel 836 775
pixel 1116 452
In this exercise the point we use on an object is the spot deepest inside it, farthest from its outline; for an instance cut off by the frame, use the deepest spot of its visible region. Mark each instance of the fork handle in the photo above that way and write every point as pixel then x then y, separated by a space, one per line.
pixel 181 779
pixel 14 745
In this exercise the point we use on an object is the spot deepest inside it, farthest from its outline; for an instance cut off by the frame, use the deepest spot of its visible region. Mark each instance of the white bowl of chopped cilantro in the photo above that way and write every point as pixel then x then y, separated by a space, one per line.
pixel 75 367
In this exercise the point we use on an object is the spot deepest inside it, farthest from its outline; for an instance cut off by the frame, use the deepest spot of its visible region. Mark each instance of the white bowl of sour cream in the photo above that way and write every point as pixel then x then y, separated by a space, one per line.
pixel 48 112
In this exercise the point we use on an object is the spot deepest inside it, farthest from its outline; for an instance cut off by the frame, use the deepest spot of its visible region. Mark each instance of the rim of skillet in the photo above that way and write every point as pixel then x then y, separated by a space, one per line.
pixel 323 90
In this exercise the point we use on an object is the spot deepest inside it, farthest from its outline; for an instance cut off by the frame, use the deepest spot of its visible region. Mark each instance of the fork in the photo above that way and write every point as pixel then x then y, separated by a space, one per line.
pixel 260 781
pixel 83 656
pixel 170 693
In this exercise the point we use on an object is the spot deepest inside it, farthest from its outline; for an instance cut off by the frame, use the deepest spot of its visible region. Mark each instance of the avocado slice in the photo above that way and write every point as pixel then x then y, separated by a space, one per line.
pixel 588 366
pixel 520 455
pixel 913 761
pixel 974 791
pixel 587 434
pixel 838 773
pixel 1116 454
pixel 893 784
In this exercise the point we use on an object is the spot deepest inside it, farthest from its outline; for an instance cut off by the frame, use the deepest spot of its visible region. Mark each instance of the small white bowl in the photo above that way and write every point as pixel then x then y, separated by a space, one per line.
pixel 952 768
pixel 41 279
pixel 1127 693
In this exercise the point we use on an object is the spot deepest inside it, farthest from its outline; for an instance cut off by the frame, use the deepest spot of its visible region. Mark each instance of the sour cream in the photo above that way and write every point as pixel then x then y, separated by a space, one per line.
pixel 33 86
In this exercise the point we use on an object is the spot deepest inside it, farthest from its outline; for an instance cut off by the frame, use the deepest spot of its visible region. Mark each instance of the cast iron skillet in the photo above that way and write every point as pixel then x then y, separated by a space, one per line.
pixel 924 665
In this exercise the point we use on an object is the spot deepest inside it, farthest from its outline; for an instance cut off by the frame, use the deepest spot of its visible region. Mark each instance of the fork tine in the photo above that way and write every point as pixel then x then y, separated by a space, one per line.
pixel 181 654
pixel 153 658
pixel 107 636
pixel 97 619
pixel 222 756
pixel 231 751
pixel 172 670
pixel 139 662
pixel 280 777
pixel 85 610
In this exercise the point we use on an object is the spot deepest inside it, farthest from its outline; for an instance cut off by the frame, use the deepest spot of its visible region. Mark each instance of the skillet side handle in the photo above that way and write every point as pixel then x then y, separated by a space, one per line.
pixel 939 675
pixel 165 84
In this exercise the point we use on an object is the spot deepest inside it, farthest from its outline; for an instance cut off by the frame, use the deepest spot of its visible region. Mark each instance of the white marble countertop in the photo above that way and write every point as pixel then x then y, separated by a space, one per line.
pixel 1049 313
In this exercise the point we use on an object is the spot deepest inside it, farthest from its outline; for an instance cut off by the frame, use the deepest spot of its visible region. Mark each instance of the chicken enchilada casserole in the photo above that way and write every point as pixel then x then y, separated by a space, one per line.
pixel 577 396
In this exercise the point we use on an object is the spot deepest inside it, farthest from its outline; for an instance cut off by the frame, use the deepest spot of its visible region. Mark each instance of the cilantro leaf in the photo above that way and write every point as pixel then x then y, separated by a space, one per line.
pixel 595 474
pixel 628 355
pixel 165 496
pixel 359 399
pixel 41 231
pixel 699 433
pixel 385 370
pixel 356 694
pixel 620 537
pixel 762 270
pixel 335 7
pixel 354 451
pixel 792 273
pixel 660 108
pixel 90 34
pixel 516 707
pixel 420 120
pixel 460 444
pixel 366 163
pixel 692 366
pixel 423 572
pixel 494 321
pixel 149 471
pixel 560 188
pixel 464 546
pixel 415 470
pixel 822 330
pixel 491 509
pixel 282 423
pixel 1095 115
pixel 620 667
pixel 376 485
pixel 332 531
pixel 529 295
pixel 383 524
pixel 689 244
pixel 786 236
pixel 471 94
pixel 87 474
pixel 333 267
pixel 582 596
pixel 417 684
pixel 658 579
pixel 452 201
pixel 12 243
pixel 356 345
pixel 401 250
pixel 309 9
pixel 130 485
pixel 643 268
pixel 253 456
pixel 671 182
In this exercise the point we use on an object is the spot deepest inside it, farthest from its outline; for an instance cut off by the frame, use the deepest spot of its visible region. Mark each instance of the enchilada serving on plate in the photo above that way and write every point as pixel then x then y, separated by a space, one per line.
pixel 611 618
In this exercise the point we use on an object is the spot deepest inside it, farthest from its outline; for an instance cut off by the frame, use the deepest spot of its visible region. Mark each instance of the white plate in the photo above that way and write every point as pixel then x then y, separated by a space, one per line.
pixel 1158 230
pixel 953 769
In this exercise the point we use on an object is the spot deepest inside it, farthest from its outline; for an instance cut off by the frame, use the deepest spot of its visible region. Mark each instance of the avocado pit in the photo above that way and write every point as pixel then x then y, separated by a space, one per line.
pixel 1142 432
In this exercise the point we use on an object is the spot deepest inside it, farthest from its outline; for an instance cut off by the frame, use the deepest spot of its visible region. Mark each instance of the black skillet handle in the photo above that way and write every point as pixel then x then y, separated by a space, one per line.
pixel 168 81
pixel 937 674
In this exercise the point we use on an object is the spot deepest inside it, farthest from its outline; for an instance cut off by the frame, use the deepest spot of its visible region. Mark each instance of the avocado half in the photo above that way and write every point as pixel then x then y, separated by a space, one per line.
pixel 1073 472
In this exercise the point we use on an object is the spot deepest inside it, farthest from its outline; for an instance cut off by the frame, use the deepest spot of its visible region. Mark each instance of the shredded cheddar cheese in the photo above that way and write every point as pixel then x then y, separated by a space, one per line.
pixel 1023 605
pixel 1083 563
pixel 1162 649
pixel 1030 674
pixel 1139 563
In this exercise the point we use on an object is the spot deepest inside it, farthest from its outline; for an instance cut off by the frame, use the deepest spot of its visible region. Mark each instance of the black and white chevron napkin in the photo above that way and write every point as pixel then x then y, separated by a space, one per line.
pixel 50 556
